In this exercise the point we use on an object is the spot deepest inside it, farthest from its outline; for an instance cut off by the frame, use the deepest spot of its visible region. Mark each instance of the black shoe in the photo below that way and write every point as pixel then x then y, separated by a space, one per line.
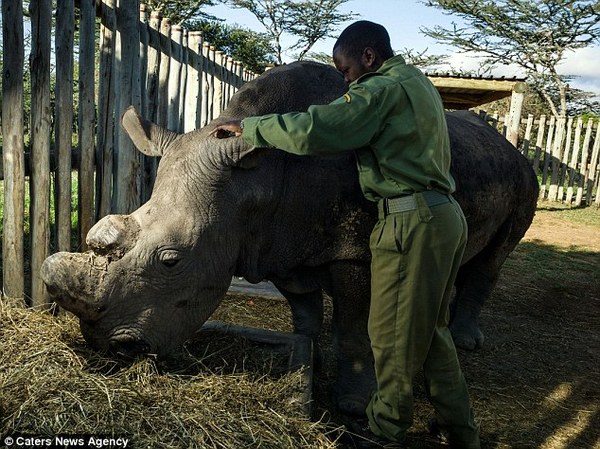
pixel 364 438
pixel 436 432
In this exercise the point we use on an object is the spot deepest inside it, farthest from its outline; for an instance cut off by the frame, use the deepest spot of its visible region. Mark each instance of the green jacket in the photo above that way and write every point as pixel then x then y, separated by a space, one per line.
pixel 394 121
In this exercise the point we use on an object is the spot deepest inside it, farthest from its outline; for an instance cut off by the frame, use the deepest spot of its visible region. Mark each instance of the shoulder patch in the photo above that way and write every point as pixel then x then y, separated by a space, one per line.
pixel 347 97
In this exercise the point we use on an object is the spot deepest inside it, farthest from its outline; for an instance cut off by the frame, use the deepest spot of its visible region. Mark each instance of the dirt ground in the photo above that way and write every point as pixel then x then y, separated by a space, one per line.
pixel 536 382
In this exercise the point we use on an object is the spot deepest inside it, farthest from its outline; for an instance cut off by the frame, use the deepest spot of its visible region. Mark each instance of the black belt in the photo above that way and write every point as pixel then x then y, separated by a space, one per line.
pixel 408 203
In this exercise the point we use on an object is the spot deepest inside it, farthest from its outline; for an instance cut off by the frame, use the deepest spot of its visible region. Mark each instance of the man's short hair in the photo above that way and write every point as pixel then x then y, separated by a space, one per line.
pixel 362 34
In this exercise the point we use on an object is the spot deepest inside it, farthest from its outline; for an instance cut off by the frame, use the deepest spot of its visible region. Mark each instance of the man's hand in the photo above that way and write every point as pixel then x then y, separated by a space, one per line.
pixel 232 128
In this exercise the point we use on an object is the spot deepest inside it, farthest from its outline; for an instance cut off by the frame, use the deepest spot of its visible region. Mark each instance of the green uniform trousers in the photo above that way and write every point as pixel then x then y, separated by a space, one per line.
pixel 415 258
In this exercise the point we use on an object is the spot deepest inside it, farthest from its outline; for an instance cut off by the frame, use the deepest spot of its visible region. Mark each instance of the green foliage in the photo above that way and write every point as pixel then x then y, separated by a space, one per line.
pixel 182 12
pixel 533 34
pixel 254 50
pixel 307 21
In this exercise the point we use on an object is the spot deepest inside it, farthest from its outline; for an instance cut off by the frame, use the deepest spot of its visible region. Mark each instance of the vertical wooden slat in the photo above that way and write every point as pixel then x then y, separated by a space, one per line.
pixel 13 281
pixel 175 77
pixel 87 116
pixel 193 82
pixel 144 38
pixel 565 160
pixel 106 89
pixel 556 157
pixel 206 82
pixel 163 77
pixel 527 137
pixel 583 167
pixel 41 18
pixel 539 142
pixel 153 66
pixel 547 158
pixel 152 82
pixel 127 170
pixel 513 119
pixel 63 130
pixel 573 162
pixel 183 79
pixel 218 95
pixel 593 168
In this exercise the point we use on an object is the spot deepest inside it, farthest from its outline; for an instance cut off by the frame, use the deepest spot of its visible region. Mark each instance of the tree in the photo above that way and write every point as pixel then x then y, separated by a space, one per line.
pixel 182 12
pixel 533 34
pixel 307 21
pixel 254 50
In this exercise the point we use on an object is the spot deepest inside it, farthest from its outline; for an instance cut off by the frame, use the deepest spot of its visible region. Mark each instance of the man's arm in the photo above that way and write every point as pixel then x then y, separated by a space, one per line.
pixel 348 123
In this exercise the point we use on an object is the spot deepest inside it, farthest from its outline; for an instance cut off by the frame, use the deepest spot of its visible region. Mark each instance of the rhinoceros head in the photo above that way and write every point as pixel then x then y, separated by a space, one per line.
pixel 153 277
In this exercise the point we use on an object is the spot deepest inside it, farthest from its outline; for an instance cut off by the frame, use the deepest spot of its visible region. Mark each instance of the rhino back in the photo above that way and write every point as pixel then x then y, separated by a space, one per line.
pixel 495 185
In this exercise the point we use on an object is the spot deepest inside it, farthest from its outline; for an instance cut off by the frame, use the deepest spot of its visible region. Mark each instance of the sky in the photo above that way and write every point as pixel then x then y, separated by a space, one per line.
pixel 404 18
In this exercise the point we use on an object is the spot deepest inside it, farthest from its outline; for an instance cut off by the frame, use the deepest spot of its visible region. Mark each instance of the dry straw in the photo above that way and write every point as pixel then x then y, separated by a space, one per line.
pixel 227 395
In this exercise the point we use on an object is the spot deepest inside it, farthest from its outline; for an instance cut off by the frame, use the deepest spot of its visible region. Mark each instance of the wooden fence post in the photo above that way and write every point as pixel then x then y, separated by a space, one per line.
pixel 565 160
pixel 63 129
pixel 183 79
pixel 513 120
pixel 206 85
pixel 106 89
pixel 127 174
pixel 539 142
pixel 593 168
pixel 144 38
pixel 192 96
pixel 574 159
pixel 555 156
pixel 527 137
pixel 41 18
pixel 13 151
pixel 547 157
pixel 163 80
pixel 218 93
pixel 584 165
pixel 87 116
pixel 175 77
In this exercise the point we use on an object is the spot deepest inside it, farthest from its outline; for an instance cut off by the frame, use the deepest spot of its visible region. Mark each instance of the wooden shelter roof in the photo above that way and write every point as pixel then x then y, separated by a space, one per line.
pixel 465 92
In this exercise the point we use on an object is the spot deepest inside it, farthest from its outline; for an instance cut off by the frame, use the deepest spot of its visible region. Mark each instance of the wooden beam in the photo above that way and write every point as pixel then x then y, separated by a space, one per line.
pixel 476 84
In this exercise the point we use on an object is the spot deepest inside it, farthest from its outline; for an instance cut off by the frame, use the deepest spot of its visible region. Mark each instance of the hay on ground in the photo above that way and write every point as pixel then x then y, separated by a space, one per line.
pixel 52 383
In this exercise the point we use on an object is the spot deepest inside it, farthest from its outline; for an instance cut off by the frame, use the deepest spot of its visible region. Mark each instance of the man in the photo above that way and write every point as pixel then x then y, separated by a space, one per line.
pixel 393 119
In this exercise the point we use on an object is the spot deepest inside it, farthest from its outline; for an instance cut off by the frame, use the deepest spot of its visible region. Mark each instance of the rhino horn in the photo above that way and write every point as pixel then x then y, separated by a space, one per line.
pixel 113 233
pixel 74 293
pixel 149 138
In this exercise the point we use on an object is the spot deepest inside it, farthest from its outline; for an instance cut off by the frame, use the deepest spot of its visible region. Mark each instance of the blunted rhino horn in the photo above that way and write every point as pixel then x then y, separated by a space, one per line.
pixel 114 233
pixel 73 292
pixel 149 138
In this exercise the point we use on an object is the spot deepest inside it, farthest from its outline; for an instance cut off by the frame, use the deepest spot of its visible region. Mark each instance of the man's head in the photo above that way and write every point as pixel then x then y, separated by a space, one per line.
pixel 361 48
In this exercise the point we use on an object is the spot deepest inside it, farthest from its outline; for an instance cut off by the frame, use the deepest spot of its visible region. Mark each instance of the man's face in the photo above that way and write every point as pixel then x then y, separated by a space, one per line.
pixel 351 67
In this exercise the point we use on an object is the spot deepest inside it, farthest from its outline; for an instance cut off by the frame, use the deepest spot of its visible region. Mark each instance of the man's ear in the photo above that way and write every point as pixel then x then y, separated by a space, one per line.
pixel 369 57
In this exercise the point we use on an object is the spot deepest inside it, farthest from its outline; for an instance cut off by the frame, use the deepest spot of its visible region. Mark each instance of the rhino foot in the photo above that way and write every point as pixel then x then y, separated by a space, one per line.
pixel 351 404
pixel 467 336
pixel 353 387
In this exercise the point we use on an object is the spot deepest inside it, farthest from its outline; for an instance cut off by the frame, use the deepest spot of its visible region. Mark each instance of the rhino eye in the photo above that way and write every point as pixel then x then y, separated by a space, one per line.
pixel 169 258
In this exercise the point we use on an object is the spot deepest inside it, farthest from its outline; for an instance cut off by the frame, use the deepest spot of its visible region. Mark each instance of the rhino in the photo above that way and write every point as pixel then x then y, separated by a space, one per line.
pixel 220 208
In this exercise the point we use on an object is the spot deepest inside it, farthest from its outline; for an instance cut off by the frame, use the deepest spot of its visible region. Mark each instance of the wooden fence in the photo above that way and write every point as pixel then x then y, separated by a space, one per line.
pixel 169 73
pixel 565 154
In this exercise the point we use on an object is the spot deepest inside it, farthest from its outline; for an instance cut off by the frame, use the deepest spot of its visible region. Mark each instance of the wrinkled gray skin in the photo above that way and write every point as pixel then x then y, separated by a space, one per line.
pixel 219 209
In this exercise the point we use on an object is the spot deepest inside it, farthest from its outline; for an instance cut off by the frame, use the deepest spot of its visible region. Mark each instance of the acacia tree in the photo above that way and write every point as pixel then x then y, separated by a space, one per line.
pixel 307 21
pixel 182 12
pixel 534 34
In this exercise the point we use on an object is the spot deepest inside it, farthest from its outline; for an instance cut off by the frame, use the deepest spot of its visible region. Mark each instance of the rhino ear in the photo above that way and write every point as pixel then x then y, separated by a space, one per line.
pixel 149 138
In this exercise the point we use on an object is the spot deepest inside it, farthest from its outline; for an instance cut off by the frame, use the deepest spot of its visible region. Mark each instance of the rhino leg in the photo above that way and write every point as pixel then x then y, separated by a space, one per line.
pixel 307 316
pixel 350 289
pixel 474 284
